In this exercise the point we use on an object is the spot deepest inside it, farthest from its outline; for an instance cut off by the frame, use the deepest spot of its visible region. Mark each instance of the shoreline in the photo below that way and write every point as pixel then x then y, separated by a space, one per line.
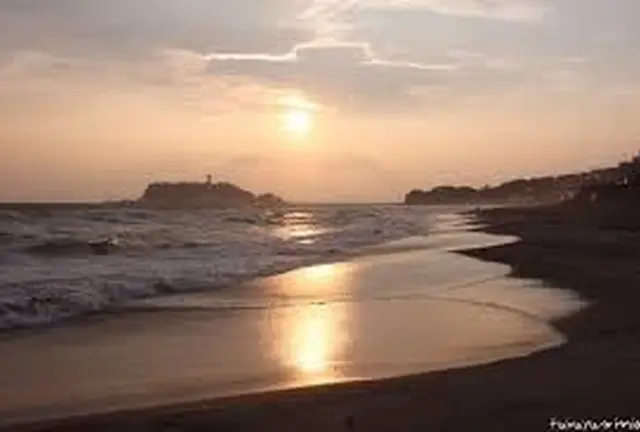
pixel 592 376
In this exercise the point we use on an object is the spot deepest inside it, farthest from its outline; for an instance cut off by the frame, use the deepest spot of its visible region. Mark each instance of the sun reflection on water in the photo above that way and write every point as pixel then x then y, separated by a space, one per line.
pixel 300 227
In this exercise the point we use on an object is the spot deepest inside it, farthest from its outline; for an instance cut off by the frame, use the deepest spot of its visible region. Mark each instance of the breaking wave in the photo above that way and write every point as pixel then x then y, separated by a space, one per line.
pixel 56 263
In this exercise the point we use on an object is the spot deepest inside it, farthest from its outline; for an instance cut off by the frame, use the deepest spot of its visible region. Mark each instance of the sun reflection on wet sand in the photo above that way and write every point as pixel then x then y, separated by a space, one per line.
pixel 313 335
pixel 321 283
pixel 312 339
pixel 323 275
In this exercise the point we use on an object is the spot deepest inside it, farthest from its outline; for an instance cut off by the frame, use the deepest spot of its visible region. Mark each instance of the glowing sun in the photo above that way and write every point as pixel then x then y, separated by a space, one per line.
pixel 298 122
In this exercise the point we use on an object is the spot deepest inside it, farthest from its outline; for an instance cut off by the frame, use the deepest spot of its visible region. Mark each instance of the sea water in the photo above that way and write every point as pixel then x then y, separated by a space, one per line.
pixel 58 262
pixel 364 309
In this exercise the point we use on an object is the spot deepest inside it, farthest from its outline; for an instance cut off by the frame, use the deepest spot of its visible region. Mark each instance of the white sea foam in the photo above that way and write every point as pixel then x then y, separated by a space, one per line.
pixel 57 264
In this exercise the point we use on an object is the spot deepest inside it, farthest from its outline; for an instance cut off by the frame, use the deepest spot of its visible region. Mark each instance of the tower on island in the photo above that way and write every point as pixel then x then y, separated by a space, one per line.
pixel 209 181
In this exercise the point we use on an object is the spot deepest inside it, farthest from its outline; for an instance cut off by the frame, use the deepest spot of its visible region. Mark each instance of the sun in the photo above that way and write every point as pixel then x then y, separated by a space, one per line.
pixel 297 116
pixel 297 122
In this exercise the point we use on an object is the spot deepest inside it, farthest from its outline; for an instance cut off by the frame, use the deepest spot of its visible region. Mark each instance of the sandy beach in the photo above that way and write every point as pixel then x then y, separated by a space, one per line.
pixel 593 375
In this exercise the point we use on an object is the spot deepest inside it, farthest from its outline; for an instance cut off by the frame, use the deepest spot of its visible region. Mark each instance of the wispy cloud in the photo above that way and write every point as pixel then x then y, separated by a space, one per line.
pixel 360 52
pixel 124 28
pixel 515 10
pixel 256 49
pixel 334 71
pixel 335 17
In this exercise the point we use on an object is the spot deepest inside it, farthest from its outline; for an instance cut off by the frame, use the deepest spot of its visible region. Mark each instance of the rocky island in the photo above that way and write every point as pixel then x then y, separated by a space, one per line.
pixel 195 195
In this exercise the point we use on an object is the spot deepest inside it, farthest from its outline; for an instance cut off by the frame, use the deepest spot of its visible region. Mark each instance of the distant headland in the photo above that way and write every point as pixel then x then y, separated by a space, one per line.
pixel 600 184
pixel 194 195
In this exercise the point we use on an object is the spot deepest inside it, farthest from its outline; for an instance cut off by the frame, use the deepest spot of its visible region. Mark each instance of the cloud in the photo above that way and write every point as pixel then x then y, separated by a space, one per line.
pixel 511 10
pixel 336 17
pixel 336 73
pixel 328 74
pixel 371 54
pixel 119 28
pixel 129 28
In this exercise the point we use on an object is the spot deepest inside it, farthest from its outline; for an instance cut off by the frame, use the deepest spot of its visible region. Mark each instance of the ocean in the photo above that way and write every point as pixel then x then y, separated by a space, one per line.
pixel 58 262
pixel 182 306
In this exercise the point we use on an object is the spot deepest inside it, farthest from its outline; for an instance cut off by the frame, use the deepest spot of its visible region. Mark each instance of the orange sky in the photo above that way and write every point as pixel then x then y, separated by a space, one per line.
pixel 310 99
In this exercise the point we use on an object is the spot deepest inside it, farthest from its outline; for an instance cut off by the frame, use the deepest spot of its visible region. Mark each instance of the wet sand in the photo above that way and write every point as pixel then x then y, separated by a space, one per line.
pixel 593 376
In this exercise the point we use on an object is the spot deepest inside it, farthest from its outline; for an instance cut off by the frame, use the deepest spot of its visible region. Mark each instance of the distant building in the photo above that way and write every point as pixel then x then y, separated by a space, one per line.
pixel 630 171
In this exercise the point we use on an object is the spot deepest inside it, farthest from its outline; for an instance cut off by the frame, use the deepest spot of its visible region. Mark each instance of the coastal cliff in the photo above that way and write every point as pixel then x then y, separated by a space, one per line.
pixel 203 195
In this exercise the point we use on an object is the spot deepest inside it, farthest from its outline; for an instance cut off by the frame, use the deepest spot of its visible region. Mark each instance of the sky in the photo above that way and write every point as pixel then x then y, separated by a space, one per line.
pixel 315 100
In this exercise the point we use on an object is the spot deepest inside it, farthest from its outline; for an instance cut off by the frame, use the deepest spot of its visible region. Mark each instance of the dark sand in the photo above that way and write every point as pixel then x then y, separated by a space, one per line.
pixel 595 376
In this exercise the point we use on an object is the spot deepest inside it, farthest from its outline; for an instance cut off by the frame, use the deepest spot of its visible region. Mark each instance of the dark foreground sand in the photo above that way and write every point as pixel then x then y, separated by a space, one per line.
pixel 595 376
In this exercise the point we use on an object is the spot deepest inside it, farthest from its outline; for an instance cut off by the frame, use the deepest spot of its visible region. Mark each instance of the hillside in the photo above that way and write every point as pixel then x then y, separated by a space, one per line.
pixel 536 190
